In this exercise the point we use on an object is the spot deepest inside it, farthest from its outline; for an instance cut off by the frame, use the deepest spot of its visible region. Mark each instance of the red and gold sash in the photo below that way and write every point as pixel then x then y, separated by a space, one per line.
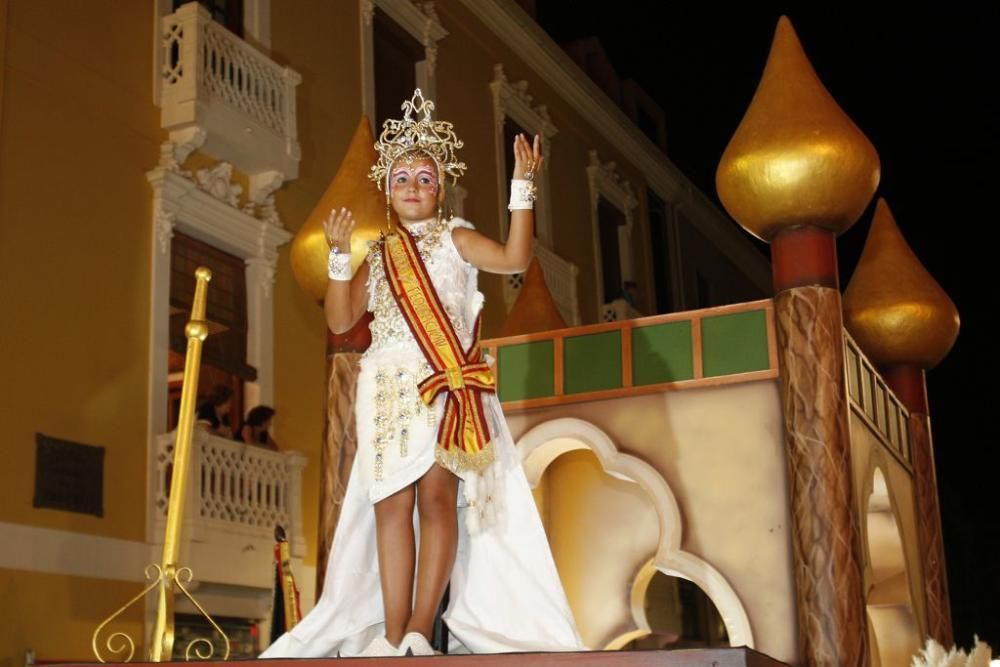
pixel 464 436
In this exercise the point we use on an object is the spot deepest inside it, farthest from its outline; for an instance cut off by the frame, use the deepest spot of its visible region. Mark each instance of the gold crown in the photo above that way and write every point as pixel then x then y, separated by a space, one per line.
pixel 424 135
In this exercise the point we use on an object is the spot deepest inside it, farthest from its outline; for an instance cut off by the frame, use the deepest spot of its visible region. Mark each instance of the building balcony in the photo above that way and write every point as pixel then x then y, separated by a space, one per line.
pixel 238 103
pixel 237 493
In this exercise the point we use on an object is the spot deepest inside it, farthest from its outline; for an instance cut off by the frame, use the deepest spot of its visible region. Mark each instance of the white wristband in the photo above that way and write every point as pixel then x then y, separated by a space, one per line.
pixel 522 195
pixel 338 264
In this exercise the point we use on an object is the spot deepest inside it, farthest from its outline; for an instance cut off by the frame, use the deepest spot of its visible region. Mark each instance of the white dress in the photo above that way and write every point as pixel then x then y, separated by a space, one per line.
pixel 505 590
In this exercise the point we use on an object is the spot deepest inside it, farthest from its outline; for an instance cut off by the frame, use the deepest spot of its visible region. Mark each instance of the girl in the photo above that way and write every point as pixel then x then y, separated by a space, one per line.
pixel 431 435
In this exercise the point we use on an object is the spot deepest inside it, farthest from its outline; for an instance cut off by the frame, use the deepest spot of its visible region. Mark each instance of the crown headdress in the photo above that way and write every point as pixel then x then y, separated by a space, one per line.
pixel 436 138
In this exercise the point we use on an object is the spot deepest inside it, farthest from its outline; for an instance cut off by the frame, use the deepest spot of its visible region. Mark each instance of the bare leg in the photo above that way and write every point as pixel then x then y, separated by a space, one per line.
pixel 437 493
pixel 394 525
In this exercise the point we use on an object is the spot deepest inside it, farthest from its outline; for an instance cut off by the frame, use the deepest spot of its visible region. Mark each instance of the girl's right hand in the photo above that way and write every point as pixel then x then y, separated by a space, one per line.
pixel 338 228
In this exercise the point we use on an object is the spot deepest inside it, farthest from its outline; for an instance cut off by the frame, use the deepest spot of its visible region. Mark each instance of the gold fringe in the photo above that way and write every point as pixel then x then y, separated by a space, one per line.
pixel 457 460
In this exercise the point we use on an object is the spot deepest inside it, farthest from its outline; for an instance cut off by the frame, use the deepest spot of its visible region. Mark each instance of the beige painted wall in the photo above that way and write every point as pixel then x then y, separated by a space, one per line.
pixel 720 451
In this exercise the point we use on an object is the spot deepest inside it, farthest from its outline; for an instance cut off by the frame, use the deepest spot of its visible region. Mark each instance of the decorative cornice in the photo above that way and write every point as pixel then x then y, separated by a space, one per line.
pixel 513 99
pixel 218 182
pixel 182 143
pixel 606 179
pixel 420 20
pixel 181 204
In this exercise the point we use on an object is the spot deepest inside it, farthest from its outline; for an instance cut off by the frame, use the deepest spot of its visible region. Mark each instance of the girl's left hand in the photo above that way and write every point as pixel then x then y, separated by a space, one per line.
pixel 527 157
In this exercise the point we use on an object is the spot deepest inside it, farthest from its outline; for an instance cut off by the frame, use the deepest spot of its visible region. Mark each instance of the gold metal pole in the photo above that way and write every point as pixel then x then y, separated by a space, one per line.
pixel 290 596
pixel 196 332
pixel 166 575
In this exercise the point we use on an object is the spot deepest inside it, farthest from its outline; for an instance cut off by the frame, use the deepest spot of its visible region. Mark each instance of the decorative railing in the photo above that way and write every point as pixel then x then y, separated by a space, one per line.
pixel 874 403
pixel 213 79
pixel 235 488
pixel 560 278
pixel 715 346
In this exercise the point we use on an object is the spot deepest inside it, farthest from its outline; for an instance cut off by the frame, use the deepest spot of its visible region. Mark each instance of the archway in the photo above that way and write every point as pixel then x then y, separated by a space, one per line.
pixel 894 628
pixel 638 489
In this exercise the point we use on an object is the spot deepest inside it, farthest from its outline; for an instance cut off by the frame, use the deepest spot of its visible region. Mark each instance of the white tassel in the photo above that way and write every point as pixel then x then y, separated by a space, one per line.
pixel 935 655
pixel 470 487
pixel 472 522
pixel 495 499
pixel 484 494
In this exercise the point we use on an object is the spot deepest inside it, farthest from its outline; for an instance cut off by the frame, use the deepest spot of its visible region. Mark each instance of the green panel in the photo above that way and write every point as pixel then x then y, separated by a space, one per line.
pixel 662 353
pixel 593 362
pixel 527 370
pixel 735 343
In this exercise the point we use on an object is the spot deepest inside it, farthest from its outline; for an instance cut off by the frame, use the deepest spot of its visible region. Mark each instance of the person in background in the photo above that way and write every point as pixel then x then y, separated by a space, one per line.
pixel 213 413
pixel 256 428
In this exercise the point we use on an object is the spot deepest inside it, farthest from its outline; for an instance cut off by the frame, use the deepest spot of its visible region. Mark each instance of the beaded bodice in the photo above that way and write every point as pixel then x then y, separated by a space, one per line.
pixel 453 278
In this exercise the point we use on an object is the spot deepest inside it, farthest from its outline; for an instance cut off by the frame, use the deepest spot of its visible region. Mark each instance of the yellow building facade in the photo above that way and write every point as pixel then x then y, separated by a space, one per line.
pixel 117 138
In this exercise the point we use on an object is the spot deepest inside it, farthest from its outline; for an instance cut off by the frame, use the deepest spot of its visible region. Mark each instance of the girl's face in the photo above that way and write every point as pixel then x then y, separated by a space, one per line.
pixel 414 189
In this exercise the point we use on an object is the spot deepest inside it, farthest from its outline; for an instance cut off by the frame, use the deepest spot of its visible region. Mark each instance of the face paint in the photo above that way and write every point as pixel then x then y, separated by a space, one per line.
pixel 421 176
pixel 414 188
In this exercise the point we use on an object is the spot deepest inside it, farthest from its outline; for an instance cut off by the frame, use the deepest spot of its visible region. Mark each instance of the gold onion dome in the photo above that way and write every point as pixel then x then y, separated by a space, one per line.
pixel 895 310
pixel 796 158
pixel 352 189
pixel 534 309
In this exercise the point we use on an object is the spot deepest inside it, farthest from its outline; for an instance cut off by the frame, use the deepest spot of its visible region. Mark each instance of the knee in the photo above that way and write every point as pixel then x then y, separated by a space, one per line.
pixel 436 501
pixel 397 507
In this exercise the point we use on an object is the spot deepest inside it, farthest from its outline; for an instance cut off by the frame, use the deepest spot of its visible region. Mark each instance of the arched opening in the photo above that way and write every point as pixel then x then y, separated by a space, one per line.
pixel 601 531
pixel 679 615
pixel 893 625
pixel 615 531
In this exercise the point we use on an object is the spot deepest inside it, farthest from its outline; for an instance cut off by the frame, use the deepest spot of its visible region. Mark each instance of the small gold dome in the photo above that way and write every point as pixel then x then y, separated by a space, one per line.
pixel 796 158
pixel 895 310
pixel 352 189
pixel 534 309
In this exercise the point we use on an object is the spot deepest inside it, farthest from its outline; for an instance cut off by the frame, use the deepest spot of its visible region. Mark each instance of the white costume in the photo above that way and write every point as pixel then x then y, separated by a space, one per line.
pixel 505 590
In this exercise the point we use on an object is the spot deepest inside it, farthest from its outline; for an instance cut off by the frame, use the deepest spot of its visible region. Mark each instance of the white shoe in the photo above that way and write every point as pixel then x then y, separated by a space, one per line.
pixel 415 644
pixel 380 646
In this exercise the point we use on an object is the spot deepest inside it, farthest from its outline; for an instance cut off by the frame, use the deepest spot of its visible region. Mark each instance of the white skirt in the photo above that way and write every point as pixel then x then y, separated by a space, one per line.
pixel 505 590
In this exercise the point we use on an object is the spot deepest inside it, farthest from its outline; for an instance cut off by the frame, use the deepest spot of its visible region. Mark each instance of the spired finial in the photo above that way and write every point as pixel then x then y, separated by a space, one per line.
pixel 796 158
pixel 893 307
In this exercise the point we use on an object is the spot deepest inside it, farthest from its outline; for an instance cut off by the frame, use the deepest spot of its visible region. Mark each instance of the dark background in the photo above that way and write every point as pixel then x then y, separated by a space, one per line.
pixel 922 83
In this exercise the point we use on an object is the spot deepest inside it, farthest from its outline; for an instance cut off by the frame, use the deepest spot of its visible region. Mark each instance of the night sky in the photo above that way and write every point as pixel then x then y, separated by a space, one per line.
pixel 922 83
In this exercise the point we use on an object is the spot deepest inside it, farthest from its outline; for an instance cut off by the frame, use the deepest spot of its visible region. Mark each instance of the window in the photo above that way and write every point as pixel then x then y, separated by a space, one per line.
pixel 228 13
pixel 513 113
pixel 609 223
pixel 611 206
pixel 661 245
pixel 224 352
pixel 396 55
